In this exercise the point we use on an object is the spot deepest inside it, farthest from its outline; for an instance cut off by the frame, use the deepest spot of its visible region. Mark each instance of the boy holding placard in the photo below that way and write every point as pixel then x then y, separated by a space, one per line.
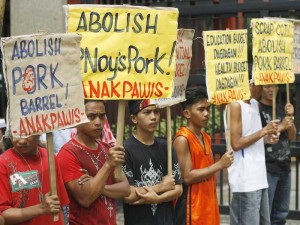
pixel 198 203
pixel 152 190
pixel 94 202
pixel 247 175
pixel 25 183
pixel 278 156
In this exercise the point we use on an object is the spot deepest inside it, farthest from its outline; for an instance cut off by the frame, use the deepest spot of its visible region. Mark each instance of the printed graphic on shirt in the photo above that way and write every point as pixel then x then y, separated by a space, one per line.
pixel 128 173
pixel 150 177
pixel 24 180
pixel 177 171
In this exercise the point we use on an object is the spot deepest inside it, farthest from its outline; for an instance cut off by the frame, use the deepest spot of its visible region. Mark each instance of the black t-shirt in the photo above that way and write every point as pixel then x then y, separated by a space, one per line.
pixel 146 165
pixel 278 156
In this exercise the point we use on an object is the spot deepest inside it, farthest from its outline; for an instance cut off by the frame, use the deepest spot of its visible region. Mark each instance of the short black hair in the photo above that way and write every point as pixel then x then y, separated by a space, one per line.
pixel 193 95
pixel 94 100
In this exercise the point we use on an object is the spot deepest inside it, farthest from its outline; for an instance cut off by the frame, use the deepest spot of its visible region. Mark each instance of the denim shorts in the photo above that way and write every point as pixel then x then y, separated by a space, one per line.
pixel 250 208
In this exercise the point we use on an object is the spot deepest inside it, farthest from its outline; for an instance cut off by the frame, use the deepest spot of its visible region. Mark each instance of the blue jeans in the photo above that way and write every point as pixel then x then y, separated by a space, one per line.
pixel 250 208
pixel 279 197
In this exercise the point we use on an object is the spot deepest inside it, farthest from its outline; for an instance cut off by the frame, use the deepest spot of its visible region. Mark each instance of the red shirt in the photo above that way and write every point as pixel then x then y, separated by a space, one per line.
pixel 72 157
pixel 21 183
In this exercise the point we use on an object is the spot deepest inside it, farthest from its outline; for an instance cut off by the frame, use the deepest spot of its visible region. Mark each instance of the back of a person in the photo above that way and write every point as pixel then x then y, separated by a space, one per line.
pixel 243 176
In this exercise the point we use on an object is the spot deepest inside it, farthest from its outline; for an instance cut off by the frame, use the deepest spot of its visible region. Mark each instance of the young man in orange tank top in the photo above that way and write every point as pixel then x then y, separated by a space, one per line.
pixel 198 203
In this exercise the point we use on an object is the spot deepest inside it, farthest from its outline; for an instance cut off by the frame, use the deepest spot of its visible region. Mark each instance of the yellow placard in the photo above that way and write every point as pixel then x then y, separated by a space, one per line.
pixel 127 52
pixel 273 41
pixel 226 65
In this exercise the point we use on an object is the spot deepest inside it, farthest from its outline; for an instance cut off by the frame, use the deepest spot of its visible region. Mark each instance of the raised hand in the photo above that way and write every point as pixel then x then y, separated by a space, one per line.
pixel 289 109
pixel 226 160
pixel 168 183
pixel 50 204
pixel 116 156
pixel 271 128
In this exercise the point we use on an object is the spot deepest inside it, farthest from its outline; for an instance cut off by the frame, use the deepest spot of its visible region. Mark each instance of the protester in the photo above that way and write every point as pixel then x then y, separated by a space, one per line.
pixel 278 156
pixel 92 203
pixel 247 175
pixel 25 186
pixel 152 190
pixel 198 203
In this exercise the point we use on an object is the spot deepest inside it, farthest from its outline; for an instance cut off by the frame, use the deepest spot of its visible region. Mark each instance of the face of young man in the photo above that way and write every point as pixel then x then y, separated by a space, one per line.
pixel 255 91
pixel 147 119
pixel 95 111
pixel 198 113
pixel 26 146
pixel 267 92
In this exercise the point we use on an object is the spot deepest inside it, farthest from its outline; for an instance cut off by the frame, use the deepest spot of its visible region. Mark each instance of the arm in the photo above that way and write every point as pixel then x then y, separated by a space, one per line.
pixel 167 184
pixel 50 205
pixel 119 189
pixel 238 141
pixel 86 194
pixel 190 175
pixel 287 124
pixel 151 197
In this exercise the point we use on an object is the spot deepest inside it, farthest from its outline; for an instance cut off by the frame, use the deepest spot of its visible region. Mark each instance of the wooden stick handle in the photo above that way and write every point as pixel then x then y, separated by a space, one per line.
pixel 274 104
pixel 287 93
pixel 52 171
pixel 120 132
pixel 228 128
pixel 169 140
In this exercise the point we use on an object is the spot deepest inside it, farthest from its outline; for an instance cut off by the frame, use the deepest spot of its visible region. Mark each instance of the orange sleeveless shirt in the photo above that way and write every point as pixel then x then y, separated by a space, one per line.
pixel 201 203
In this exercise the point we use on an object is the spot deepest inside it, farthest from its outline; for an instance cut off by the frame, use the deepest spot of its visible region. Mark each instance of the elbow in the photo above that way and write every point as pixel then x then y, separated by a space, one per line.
pixel 179 191
pixel 130 197
pixel 187 180
pixel 127 192
pixel 235 146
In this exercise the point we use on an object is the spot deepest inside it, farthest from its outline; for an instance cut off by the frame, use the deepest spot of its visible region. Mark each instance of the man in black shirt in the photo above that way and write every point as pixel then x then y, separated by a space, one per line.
pixel 278 156
pixel 152 190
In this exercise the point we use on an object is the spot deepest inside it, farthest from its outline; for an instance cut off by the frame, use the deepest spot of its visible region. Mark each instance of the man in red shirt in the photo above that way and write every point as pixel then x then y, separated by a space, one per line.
pixel 25 187
pixel 94 202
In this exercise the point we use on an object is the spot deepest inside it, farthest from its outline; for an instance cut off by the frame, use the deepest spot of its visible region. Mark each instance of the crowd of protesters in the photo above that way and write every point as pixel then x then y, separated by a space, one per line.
pixel 258 164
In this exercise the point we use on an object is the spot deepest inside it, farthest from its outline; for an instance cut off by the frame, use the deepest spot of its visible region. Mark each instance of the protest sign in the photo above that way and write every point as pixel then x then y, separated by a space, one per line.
pixel 127 52
pixel 296 52
pixel 183 63
pixel 43 78
pixel 273 41
pixel 226 65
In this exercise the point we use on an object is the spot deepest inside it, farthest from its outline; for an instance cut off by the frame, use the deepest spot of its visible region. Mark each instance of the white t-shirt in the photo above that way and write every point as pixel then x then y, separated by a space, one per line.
pixel 248 171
